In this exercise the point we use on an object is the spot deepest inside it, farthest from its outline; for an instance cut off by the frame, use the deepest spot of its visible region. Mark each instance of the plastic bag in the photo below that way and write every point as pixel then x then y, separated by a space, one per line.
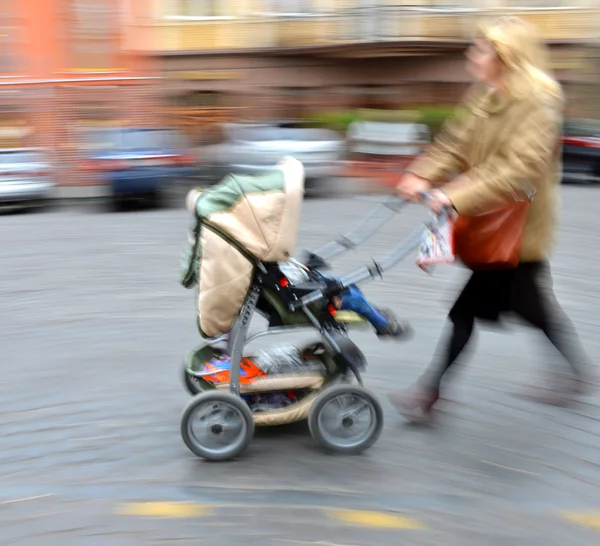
pixel 280 359
pixel 294 272
pixel 437 246
pixel 221 371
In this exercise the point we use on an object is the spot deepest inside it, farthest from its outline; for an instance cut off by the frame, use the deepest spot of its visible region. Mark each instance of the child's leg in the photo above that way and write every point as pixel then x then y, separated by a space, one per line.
pixel 385 324
pixel 352 299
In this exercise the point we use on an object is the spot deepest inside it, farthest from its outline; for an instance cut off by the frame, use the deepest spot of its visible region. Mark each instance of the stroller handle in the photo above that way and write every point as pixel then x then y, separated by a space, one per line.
pixel 382 214
pixel 372 271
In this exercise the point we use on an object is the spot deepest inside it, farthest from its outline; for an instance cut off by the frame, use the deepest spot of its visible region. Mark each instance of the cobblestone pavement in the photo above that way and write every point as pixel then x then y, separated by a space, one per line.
pixel 94 326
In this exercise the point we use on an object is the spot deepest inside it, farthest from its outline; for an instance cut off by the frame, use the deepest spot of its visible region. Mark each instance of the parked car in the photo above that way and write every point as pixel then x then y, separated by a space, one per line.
pixel 379 150
pixel 257 148
pixel 581 151
pixel 24 177
pixel 138 163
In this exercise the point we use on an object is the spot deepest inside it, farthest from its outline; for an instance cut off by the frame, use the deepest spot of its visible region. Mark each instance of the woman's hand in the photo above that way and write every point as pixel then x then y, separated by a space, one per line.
pixel 438 201
pixel 412 186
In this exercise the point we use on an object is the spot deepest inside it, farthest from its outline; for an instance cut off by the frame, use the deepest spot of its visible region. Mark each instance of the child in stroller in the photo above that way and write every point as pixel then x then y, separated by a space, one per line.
pixel 350 299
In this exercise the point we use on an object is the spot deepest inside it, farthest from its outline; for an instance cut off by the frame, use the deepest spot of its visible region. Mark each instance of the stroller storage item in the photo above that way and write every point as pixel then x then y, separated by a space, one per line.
pixel 239 253
pixel 437 246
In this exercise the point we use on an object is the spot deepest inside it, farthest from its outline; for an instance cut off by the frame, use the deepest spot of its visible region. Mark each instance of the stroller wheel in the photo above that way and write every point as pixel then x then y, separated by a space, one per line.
pixel 217 426
pixel 346 419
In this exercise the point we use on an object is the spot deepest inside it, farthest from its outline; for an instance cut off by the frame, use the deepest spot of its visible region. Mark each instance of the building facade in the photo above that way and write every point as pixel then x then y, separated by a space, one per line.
pixel 249 59
pixel 70 64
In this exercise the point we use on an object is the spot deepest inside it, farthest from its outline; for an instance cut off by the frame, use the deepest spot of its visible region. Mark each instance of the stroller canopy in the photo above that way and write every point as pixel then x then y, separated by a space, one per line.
pixel 256 215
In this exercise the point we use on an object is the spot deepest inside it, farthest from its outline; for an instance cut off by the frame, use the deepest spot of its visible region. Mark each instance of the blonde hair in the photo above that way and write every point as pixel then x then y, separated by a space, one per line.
pixel 524 54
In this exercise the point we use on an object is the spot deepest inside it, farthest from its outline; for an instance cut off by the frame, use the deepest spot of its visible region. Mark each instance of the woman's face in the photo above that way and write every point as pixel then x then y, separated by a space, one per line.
pixel 483 62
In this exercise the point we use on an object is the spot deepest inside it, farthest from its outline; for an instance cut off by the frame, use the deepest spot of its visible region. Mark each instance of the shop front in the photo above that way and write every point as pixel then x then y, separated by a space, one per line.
pixel 15 127
pixel 199 115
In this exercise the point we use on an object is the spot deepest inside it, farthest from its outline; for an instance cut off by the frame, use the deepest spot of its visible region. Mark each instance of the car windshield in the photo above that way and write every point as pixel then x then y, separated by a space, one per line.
pixel 132 139
pixel 146 139
pixel 11 158
pixel 265 133
pixel 581 128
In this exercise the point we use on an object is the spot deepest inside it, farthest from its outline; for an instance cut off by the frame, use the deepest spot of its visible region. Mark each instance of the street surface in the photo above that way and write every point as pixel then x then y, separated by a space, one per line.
pixel 94 327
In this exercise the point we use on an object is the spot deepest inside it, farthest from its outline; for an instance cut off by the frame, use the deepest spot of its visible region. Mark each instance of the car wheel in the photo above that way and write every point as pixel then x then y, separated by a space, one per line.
pixel 116 203
pixel 154 200
pixel 315 187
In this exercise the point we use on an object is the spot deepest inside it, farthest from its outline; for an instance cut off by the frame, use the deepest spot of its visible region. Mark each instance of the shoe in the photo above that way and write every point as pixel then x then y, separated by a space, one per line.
pixel 586 385
pixel 560 390
pixel 548 397
pixel 395 328
pixel 415 403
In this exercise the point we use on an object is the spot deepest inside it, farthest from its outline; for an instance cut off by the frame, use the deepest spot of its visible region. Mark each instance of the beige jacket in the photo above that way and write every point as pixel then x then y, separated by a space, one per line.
pixel 503 148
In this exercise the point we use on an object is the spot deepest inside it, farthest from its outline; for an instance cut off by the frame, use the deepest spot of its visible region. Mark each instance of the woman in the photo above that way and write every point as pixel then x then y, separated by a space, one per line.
pixel 503 144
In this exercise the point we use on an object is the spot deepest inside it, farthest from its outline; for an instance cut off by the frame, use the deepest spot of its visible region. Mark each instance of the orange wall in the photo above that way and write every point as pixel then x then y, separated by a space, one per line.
pixel 11 38
pixel 50 48
pixel 56 80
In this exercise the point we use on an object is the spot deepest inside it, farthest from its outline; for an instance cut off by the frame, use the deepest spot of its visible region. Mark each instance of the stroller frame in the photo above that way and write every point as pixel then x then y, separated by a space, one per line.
pixel 333 333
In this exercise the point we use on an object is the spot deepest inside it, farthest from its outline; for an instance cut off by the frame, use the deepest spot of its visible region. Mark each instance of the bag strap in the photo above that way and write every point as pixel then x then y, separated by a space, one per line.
pixel 189 277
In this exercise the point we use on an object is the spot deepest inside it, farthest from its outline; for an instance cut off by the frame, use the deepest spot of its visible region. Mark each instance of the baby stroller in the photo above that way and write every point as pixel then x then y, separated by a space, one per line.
pixel 245 227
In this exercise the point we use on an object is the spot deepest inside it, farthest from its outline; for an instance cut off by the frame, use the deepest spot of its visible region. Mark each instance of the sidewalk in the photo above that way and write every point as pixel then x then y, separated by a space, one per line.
pixel 95 325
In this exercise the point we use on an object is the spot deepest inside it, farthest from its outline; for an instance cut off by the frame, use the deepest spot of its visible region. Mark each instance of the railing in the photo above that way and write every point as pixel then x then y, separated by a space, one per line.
pixel 302 30
pixel 563 23
pixel 380 22
pixel 367 23
pixel 401 22
pixel 393 23
pixel 208 34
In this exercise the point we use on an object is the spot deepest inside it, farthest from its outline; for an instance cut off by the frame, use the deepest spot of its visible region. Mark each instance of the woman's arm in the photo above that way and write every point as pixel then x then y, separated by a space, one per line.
pixel 448 152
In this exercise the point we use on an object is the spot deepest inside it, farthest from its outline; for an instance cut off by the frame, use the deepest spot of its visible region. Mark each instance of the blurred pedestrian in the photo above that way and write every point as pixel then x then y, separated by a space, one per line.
pixel 502 144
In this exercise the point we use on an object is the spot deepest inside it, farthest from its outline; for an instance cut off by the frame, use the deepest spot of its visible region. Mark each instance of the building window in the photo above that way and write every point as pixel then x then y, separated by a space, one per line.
pixel 93 35
pixel 198 99
pixel 96 113
pixel 537 3
pixel 198 8
pixel 290 7
pixel 14 128
pixel 9 30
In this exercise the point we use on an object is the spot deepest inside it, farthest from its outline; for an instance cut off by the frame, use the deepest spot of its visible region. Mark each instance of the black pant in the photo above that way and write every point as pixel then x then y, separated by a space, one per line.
pixel 530 294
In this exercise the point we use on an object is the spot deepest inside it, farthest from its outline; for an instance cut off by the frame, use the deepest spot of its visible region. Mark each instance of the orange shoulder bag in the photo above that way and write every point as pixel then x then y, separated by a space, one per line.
pixel 492 240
